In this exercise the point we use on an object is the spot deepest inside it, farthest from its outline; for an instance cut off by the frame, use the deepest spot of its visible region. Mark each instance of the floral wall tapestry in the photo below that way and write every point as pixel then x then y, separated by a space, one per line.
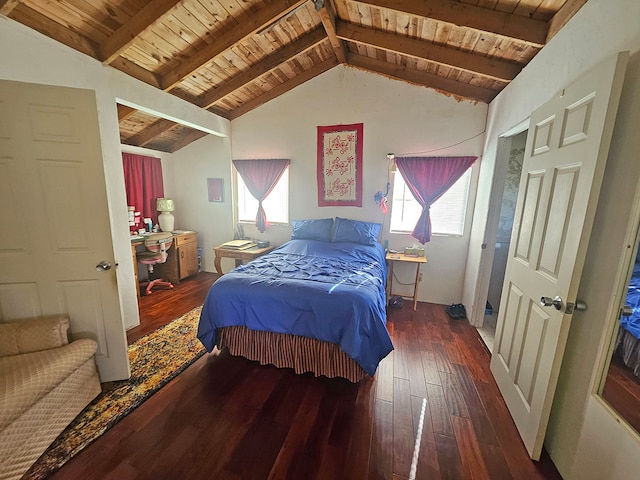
pixel 340 165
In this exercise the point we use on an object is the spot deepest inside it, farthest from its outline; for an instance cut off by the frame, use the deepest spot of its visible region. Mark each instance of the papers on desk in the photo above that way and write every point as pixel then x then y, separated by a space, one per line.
pixel 238 244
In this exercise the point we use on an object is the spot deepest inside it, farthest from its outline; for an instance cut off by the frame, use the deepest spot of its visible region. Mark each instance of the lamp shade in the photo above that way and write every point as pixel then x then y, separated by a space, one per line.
pixel 165 205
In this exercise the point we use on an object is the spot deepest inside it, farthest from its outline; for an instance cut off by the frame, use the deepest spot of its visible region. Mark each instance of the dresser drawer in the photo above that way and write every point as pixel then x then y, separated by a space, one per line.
pixel 186 238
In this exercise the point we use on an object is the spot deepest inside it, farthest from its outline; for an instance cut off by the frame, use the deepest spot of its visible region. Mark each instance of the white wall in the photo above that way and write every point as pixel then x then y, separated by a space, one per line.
pixel 398 118
pixel 208 157
pixel 27 56
pixel 582 435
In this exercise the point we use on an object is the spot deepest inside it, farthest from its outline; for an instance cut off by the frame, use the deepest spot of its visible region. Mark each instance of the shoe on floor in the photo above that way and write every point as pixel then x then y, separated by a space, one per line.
pixel 452 311
pixel 460 310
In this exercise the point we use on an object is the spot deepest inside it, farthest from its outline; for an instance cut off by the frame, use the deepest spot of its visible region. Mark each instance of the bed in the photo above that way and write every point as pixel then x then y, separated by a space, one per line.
pixel 315 304
pixel 628 340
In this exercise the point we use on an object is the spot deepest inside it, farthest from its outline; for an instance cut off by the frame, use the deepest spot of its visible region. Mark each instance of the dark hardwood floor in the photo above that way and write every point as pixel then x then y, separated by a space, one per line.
pixel 229 418
pixel 162 306
pixel 622 391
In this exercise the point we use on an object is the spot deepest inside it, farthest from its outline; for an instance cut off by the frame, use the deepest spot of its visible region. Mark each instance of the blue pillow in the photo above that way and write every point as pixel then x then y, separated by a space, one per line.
pixel 354 231
pixel 312 229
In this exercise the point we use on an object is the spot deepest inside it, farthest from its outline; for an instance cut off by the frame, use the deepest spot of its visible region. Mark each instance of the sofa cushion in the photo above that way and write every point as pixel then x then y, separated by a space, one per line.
pixel 33 334
pixel 26 378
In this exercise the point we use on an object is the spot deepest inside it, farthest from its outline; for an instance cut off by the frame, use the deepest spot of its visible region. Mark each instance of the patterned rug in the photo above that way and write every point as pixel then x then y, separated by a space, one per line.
pixel 155 359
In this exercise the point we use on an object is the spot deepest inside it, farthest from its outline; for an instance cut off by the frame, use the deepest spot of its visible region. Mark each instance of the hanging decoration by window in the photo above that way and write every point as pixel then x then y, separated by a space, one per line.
pixel 340 165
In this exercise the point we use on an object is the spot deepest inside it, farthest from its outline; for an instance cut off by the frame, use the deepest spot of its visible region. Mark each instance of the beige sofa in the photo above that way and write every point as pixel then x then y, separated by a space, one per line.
pixel 45 381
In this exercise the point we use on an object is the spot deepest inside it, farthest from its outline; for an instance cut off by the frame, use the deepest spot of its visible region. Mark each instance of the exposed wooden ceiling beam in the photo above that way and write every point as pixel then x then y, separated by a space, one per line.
pixel 153 11
pixel 263 17
pixel 451 57
pixel 328 17
pixel 125 112
pixel 145 136
pixel 284 87
pixel 186 140
pixel 136 71
pixel 6 6
pixel 562 16
pixel 304 43
pixel 517 27
pixel 445 85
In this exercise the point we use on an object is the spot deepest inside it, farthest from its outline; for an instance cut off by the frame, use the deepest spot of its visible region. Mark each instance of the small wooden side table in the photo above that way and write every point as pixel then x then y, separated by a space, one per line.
pixel 392 258
pixel 239 255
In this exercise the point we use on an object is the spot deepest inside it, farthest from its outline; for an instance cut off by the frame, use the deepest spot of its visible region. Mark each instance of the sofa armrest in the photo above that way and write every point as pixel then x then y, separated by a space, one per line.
pixel 33 334
pixel 26 378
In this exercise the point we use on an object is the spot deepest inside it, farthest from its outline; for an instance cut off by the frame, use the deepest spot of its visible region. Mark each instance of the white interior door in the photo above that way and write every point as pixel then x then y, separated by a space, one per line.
pixel 564 162
pixel 56 226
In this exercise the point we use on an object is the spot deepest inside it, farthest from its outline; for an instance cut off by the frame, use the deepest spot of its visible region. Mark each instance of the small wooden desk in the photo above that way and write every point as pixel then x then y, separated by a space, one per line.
pixel 240 255
pixel 401 257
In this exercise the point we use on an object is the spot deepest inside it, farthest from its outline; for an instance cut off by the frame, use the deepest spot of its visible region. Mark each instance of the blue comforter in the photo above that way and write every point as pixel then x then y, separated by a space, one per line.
pixel 334 292
pixel 632 322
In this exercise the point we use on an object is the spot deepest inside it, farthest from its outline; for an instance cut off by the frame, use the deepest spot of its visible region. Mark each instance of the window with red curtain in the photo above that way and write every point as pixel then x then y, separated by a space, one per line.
pixel 143 183
pixel 428 178
pixel 260 177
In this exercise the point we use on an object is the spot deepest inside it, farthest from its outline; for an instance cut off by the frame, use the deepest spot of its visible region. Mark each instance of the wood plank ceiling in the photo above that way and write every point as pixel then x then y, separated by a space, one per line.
pixel 231 56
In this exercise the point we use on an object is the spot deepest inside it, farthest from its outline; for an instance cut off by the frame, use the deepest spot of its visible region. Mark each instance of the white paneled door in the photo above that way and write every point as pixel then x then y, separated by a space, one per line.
pixel 564 163
pixel 55 228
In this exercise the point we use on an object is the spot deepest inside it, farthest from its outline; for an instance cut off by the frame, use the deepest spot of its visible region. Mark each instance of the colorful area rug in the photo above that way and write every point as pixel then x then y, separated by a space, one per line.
pixel 155 359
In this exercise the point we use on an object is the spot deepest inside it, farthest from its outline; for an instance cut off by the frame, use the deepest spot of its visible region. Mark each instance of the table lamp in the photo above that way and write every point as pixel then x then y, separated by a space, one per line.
pixel 165 219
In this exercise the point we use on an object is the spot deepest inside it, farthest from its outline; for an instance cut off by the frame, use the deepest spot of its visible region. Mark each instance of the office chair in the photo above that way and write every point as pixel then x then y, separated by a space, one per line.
pixel 157 245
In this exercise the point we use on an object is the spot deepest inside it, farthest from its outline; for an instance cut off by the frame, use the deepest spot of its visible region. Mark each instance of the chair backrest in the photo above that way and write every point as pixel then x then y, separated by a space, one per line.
pixel 159 243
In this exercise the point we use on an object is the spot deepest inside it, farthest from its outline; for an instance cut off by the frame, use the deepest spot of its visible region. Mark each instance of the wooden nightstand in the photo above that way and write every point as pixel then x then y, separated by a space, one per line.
pixel 402 258
pixel 240 255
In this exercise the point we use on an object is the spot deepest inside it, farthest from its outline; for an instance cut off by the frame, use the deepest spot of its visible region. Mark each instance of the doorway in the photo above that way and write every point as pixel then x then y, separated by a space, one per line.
pixel 512 156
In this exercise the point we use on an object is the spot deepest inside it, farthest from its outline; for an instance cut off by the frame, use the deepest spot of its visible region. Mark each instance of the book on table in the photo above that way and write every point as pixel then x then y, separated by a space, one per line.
pixel 238 244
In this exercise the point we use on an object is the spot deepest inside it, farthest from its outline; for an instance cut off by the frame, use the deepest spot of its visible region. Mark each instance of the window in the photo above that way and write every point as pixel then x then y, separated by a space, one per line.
pixel 447 213
pixel 276 205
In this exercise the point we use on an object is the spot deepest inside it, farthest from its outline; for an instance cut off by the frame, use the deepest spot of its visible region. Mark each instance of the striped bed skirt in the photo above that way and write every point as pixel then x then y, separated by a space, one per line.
pixel 290 351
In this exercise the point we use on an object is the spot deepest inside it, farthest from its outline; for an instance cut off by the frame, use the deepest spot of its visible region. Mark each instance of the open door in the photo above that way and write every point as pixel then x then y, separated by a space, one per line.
pixel 564 162
pixel 56 252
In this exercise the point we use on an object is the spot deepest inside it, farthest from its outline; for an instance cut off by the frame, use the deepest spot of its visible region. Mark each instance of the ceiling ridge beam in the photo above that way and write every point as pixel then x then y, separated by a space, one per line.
pixel 327 15
pixel 248 26
pixel 7 6
pixel 288 52
pixel 146 135
pixel 516 27
pixel 495 69
pixel 284 87
pixel 444 85
pixel 126 34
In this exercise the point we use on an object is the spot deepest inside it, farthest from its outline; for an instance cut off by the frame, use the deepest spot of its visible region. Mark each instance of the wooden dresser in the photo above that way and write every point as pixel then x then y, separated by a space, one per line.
pixel 182 261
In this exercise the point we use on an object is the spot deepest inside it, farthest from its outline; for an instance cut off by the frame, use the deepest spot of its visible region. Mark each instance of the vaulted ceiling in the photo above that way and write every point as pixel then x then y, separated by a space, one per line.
pixel 231 56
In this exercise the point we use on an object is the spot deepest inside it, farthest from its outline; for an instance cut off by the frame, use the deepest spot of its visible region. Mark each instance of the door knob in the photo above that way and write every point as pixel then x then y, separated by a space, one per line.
pixel 103 265
pixel 548 302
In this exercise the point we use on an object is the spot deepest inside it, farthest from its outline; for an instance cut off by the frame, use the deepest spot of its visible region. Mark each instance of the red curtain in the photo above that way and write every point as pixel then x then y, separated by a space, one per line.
pixel 260 176
pixel 143 183
pixel 428 178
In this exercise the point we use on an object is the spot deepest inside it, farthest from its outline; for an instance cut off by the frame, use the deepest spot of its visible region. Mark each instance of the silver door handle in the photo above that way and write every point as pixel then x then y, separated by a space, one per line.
pixel 103 265
pixel 548 302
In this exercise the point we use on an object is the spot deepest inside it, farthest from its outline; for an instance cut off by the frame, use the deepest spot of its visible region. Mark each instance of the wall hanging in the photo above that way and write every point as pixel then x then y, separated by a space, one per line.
pixel 340 165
